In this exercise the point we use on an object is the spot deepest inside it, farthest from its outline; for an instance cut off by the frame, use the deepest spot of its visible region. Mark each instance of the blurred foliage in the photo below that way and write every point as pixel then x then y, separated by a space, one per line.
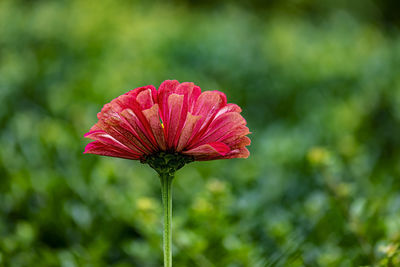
pixel 319 85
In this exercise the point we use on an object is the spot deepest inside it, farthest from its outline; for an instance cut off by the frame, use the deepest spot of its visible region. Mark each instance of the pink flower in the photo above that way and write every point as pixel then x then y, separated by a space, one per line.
pixel 176 118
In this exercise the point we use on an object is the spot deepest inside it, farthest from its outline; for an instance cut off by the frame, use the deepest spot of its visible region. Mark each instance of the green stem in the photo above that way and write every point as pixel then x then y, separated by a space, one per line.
pixel 166 191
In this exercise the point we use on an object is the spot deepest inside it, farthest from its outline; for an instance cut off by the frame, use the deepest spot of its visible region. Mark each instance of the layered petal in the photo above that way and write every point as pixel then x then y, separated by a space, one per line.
pixel 175 100
pixel 165 89
pixel 208 151
pixel 187 131
pixel 220 127
pixel 107 139
pixel 206 106
pixel 99 148
pixel 153 118
pixel 176 115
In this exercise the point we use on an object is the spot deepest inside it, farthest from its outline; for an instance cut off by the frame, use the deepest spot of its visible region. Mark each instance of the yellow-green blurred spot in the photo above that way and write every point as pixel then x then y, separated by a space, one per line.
pixel 343 189
pixel 202 205
pixel 348 145
pixel 318 156
pixel 216 186
pixel 145 204
pixel 25 232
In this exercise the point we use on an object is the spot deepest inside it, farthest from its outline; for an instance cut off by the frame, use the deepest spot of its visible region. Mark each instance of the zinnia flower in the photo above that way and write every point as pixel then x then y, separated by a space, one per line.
pixel 167 128
pixel 178 118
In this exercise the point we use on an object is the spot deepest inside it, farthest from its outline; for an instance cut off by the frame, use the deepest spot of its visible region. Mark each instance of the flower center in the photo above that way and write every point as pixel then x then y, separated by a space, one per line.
pixel 166 162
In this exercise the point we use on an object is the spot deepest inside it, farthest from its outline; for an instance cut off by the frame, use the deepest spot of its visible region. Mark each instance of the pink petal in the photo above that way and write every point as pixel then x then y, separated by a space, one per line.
pixel 228 108
pixel 118 127
pixel 175 99
pixel 137 126
pixel 208 151
pixel 176 117
pixel 208 103
pixel 240 142
pixel 190 91
pixel 236 133
pixel 133 120
pixel 242 152
pixel 126 100
pixel 152 116
pixel 167 86
pixel 187 131
pixel 219 127
pixel 206 106
pixel 145 99
pixel 165 89
pixel 99 148
pixel 107 139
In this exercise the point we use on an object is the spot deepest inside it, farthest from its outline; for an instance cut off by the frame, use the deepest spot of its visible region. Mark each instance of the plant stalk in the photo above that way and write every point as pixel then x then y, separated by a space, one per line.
pixel 166 191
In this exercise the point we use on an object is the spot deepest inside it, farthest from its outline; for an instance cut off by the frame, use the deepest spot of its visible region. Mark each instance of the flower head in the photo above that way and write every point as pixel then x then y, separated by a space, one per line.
pixel 177 119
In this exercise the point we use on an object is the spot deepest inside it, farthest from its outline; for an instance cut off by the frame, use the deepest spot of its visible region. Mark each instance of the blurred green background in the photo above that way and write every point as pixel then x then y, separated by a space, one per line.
pixel 319 85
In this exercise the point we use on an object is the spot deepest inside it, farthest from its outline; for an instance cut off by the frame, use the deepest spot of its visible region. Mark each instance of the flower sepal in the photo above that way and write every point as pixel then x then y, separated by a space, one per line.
pixel 167 163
